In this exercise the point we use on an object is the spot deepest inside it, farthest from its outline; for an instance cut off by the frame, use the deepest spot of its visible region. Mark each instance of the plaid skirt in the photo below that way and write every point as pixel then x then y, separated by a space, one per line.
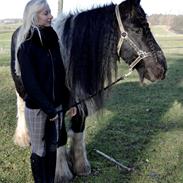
pixel 43 133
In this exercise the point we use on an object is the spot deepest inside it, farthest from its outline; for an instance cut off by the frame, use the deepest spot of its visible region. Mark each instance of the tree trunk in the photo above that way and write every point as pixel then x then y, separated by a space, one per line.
pixel 60 5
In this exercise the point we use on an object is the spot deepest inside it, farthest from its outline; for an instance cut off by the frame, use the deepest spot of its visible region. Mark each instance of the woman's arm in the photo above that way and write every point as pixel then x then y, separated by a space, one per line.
pixel 30 83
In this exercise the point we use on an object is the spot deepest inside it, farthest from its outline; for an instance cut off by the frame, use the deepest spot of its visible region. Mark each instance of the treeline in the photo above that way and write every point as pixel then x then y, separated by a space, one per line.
pixel 175 22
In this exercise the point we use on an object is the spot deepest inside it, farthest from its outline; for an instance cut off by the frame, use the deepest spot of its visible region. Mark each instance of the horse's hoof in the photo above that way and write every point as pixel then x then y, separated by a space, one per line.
pixel 80 166
pixel 78 156
pixel 63 179
pixel 63 173
pixel 82 169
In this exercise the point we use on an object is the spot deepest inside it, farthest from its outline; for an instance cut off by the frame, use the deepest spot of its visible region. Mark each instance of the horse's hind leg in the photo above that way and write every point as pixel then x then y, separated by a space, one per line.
pixel 78 155
pixel 21 136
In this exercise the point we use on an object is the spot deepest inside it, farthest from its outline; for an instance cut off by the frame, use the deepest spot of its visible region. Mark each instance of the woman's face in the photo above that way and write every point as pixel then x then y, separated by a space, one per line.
pixel 45 17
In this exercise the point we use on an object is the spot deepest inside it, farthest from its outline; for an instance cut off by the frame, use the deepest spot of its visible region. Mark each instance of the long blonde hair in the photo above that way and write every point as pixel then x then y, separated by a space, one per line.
pixel 30 23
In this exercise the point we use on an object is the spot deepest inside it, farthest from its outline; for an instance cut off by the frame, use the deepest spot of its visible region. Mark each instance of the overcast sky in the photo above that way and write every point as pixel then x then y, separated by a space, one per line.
pixel 14 8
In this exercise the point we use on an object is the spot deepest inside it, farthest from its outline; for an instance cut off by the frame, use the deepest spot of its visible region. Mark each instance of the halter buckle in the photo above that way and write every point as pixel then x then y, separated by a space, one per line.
pixel 124 34
pixel 141 54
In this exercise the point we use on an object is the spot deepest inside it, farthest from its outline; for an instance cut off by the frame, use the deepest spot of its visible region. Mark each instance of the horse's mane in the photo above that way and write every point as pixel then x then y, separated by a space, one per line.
pixel 88 46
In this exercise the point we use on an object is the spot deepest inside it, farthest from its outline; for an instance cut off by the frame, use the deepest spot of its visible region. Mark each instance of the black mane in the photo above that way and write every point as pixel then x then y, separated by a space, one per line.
pixel 91 38
pixel 89 46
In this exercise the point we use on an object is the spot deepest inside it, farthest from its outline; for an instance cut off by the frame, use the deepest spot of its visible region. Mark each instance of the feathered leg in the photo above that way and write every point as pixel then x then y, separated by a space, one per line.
pixel 62 173
pixel 78 155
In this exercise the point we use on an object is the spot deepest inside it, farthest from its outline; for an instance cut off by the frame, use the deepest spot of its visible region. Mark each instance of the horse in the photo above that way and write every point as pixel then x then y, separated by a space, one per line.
pixel 91 43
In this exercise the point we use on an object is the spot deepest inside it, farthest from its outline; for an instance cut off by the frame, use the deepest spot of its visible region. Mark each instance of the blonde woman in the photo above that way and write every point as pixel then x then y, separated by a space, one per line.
pixel 39 64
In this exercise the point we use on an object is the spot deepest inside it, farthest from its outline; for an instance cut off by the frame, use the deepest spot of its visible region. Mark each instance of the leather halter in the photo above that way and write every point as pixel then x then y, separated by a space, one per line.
pixel 124 35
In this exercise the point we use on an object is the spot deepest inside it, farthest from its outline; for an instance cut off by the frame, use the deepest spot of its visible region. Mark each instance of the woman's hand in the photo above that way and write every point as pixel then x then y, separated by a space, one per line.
pixel 55 118
pixel 72 112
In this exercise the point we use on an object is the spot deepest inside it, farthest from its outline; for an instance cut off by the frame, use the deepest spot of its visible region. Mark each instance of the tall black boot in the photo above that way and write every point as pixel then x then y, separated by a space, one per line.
pixel 50 166
pixel 38 168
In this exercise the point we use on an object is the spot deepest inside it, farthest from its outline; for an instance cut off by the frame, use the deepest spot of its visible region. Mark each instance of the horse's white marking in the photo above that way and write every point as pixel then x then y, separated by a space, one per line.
pixel 21 136
pixel 78 155
pixel 62 173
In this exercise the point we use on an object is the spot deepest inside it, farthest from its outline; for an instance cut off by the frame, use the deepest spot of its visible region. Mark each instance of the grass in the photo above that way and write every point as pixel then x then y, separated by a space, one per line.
pixel 5 39
pixel 141 127
pixel 162 31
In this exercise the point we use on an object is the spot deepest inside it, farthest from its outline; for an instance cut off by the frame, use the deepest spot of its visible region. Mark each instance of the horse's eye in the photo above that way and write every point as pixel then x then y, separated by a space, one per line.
pixel 138 30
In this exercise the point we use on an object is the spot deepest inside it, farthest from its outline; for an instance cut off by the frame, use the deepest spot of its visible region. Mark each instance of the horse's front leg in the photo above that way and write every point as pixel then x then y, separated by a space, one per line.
pixel 21 136
pixel 77 153
pixel 62 172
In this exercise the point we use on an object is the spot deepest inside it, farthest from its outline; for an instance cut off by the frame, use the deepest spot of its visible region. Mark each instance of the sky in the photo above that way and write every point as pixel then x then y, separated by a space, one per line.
pixel 14 8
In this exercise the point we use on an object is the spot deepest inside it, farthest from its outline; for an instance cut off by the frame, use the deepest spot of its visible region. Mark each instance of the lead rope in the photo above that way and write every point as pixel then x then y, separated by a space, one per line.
pixel 59 126
pixel 93 95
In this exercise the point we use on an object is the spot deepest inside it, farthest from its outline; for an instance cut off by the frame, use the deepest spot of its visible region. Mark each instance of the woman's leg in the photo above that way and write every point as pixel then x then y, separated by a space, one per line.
pixel 51 146
pixel 36 120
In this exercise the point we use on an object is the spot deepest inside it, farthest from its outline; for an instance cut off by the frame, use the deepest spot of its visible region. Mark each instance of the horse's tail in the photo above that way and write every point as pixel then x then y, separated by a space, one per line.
pixel 21 136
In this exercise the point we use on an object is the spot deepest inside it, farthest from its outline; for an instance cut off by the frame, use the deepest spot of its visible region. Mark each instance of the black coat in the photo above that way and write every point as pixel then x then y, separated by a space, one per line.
pixel 42 72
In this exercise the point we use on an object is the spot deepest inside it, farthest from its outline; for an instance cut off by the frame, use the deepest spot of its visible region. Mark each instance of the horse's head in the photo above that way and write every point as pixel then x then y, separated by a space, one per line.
pixel 136 42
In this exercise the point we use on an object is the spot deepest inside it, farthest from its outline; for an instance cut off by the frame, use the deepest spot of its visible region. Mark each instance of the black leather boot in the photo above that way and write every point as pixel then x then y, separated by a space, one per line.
pixel 50 166
pixel 38 168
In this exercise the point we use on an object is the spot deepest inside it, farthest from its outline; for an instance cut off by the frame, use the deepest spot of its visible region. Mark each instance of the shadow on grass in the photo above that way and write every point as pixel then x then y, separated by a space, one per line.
pixel 137 116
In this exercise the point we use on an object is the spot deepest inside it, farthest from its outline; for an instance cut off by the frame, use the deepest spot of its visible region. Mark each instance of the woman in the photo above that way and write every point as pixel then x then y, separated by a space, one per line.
pixel 39 64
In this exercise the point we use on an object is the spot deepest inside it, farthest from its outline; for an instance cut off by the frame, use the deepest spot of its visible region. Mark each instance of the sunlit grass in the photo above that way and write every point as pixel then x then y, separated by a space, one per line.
pixel 174 115
pixel 162 160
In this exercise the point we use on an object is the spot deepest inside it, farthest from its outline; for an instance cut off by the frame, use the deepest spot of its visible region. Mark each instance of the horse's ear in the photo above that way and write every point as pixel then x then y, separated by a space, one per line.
pixel 127 7
pixel 133 2
pixel 136 2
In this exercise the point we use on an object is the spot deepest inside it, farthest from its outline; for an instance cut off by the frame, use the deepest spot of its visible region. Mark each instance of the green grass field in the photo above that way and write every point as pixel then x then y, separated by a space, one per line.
pixel 141 127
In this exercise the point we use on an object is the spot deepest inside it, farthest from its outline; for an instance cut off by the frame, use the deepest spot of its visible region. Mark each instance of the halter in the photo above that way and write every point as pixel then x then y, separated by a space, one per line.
pixel 124 35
